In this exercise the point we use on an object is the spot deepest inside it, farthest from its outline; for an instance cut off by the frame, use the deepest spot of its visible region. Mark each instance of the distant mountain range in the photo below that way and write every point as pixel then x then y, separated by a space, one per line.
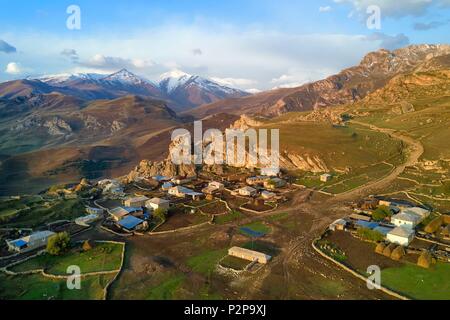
pixel 180 90
pixel 348 86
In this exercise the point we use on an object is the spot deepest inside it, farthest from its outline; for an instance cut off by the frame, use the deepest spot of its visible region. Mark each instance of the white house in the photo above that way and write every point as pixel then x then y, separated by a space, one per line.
pixel 247 191
pixel 325 177
pixel 157 203
pixel 33 241
pixel 213 187
pixel 268 195
pixel 406 219
pixel 421 212
pixel 86 220
pixel 401 235
pixel 136 201
pixel 97 211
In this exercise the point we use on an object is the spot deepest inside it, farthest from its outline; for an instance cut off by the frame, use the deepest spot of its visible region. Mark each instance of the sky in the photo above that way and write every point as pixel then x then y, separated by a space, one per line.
pixel 249 44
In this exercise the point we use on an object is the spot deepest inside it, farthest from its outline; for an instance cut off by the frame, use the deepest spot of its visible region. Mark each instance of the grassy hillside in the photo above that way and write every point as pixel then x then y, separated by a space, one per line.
pixel 419 105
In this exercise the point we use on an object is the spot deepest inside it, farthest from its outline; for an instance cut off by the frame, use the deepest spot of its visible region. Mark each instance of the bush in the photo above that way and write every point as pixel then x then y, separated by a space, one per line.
pixel 381 213
pixel 58 244
pixel 160 213
pixel 370 235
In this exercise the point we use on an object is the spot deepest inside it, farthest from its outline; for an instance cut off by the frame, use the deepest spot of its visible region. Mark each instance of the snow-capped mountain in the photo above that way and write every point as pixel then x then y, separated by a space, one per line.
pixel 181 90
pixel 126 77
pixel 190 90
pixel 58 79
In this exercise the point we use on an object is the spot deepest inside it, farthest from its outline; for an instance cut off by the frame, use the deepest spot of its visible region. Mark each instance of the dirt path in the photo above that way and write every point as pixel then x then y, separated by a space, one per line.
pixel 415 151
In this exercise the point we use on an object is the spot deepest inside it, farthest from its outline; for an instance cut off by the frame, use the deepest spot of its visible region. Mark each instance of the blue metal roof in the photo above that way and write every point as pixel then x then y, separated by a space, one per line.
pixel 130 222
pixel 132 209
pixel 366 224
pixel 383 230
pixel 252 233
pixel 19 243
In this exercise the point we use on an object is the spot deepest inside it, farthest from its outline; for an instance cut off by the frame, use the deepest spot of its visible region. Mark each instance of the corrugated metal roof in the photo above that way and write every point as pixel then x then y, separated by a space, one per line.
pixel 130 222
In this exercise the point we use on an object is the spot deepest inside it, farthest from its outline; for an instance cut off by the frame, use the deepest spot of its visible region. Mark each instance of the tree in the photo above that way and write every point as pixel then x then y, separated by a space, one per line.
pixel 58 244
pixel 381 213
pixel 160 213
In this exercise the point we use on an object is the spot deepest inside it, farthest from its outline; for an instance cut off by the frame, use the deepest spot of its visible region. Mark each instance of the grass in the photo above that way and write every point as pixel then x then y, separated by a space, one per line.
pixel 234 263
pixel 37 287
pixel 206 262
pixel 166 290
pixel 103 257
pixel 229 217
pixel 37 214
pixel 419 283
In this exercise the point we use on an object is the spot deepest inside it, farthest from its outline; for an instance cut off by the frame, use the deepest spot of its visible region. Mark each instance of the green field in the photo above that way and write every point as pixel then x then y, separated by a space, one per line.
pixel 419 283
pixel 167 289
pixel 103 257
pixel 33 212
pixel 37 287
pixel 229 217
pixel 206 262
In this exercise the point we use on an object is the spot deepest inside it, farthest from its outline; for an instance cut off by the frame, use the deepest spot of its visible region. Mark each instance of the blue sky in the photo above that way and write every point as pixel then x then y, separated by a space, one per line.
pixel 247 43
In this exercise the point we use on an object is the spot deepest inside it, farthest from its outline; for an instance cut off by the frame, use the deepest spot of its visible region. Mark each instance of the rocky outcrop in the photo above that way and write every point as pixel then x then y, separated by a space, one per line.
pixel 148 169
pixel 292 161
pixel 57 126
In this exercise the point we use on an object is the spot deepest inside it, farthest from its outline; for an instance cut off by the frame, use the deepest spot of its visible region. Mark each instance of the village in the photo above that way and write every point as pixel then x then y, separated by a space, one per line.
pixel 161 204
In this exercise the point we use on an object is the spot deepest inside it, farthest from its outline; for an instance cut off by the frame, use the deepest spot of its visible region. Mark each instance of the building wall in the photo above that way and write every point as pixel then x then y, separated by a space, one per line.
pixel 400 240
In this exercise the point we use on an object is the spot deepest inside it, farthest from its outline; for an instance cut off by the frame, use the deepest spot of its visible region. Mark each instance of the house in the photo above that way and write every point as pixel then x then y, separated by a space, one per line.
pixel 274 183
pixel 136 202
pixel 383 230
pixel 421 212
pixel 182 192
pixel 157 203
pixel 249 255
pixel 267 195
pixel 270 172
pixel 97 211
pixel 401 235
pixel 247 191
pixel 213 187
pixel 111 187
pixel 406 219
pixel 339 224
pixel 85 221
pixel 121 212
pixel 160 178
pixel 33 241
pixel 131 223
pixel 326 177
pixel 402 204
pixel 355 216
pixel 253 181
pixel 167 185
pixel 181 180
pixel 179 191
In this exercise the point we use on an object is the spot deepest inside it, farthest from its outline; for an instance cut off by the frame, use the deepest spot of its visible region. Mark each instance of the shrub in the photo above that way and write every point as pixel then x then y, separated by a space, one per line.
pixel 370 235
pixel 160 213
pixel 58 244
pixel 381 213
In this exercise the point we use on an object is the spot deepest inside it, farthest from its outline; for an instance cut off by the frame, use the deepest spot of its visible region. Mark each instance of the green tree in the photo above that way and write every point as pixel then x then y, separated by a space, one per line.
pixel 370 235
pixel 160 213
pixel 381 213
pixel 58 244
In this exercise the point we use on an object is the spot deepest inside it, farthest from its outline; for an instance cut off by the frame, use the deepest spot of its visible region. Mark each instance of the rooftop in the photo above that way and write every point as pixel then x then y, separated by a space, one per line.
pixel 130 222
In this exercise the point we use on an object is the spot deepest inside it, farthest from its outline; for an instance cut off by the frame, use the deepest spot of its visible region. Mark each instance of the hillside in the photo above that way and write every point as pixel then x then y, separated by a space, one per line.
pixel 348 86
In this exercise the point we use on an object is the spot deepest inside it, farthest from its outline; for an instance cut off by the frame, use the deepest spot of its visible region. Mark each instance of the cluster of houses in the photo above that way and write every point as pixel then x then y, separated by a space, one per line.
pixel 399 229
pixel 136 212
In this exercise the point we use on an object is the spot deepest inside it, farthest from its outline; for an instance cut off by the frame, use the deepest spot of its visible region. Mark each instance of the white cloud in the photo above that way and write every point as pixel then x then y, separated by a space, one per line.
pixel 325 9
pixel 389 42
pixel 110 63
pixel 395 8
pixel 13 68
pixel 233 82
pixel 253 91
pixel 232 55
